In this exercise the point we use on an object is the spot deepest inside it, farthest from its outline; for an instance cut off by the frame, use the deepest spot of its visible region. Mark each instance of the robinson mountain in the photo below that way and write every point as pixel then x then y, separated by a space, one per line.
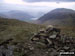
pixel 17 15
pixel 59 16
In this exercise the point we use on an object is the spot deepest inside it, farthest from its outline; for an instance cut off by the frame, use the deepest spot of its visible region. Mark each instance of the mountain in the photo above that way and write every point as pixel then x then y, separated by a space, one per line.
pixel 59 16
pixel 17 15
pixel 2 15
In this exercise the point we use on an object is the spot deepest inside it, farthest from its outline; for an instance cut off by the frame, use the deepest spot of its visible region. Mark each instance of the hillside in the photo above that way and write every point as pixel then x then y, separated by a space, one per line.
pixel 18 33
pixel 20 30
pixel 20 15
pixel 59 16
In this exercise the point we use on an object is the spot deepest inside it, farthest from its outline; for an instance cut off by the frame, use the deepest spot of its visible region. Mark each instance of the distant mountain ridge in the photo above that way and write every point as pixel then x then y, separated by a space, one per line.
pixel 17 15
pixel 59 16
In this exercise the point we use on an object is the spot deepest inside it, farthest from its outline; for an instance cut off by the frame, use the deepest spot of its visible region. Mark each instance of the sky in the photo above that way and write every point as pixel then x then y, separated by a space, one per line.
pixel 35 6
pixel 49 0
pixel 43 3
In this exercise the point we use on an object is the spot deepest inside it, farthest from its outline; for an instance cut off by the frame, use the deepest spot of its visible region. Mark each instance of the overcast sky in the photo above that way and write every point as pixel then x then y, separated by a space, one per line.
pixel 49 0
pixel 41 3
pixel 36 6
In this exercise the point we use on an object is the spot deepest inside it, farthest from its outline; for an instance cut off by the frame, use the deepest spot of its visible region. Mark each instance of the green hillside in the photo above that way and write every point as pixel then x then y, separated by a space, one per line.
pixel 19 30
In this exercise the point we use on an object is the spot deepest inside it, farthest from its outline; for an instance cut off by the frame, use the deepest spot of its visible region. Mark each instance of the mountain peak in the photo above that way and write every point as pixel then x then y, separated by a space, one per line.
pixel 59 16
pixel 62 10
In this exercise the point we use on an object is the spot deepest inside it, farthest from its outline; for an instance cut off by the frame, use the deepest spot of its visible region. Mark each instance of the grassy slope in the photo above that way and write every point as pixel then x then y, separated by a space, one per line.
pixel 22 31
pixel 19 30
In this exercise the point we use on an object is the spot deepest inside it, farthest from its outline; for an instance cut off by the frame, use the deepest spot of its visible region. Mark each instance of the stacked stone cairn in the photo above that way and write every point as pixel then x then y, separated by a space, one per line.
pixel 56 42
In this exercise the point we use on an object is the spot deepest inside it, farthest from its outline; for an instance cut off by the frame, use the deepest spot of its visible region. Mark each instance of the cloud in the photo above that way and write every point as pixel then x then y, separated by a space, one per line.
pixel 49 0
pixel 1 1
pixel 14 1
pixel 51 4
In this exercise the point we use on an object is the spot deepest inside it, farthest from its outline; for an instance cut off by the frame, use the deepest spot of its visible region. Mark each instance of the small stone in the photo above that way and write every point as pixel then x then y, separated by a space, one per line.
pixel 32 48
pixel 47 52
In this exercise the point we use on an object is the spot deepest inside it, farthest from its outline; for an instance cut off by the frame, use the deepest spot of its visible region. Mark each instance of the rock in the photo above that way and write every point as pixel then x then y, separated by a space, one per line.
pixel 55 42
pixel 52 36
pixel 66 47
pixel 6 51
pixel 32 48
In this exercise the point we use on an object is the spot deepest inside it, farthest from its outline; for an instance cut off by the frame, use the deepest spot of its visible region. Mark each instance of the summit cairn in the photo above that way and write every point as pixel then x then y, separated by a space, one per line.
pixel 52 38
pixel 48 36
